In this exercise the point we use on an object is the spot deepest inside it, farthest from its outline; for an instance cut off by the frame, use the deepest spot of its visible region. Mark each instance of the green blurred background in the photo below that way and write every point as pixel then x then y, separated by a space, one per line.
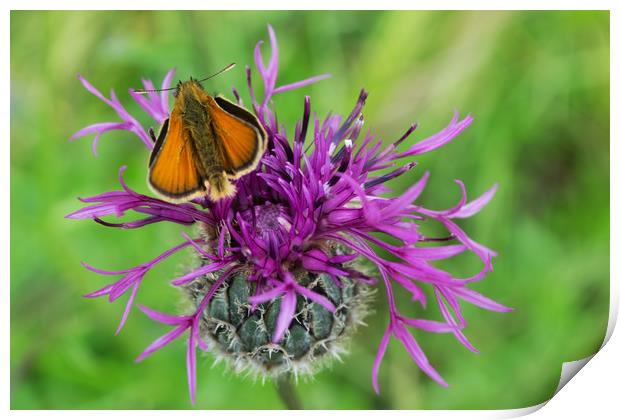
pixel 537 84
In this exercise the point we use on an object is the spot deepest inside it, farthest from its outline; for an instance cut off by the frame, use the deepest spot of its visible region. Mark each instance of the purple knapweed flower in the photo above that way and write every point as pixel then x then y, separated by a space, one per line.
pixel 285 253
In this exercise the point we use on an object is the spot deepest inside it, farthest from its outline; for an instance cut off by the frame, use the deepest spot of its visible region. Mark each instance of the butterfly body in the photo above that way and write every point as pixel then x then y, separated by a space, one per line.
pixel 204 144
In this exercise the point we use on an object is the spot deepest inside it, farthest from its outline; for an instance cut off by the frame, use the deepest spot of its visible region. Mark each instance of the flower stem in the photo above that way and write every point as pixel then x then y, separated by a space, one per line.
pixel 286 391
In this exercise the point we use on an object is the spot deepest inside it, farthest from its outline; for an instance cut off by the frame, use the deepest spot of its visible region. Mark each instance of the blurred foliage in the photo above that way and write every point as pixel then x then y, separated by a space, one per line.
pixel 537 84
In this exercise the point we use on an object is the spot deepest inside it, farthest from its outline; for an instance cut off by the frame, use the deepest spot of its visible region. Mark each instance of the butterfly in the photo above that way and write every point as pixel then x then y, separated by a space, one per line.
pixel 205 143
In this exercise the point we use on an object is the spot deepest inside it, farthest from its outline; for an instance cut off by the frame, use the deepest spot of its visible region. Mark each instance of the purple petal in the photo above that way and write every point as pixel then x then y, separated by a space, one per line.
pixel 127 307
pixel 150 107
pixel 315 297
pixel 98 128
pixel 129 122
pixel 417 354
pixel 191 367
pixel 457 331
pixel 301 83
pixel 200 272
pixel 197 247
pixel 125 283
pixel 439 139
pixel 287 311
pixel 396 205
pixel 379 358
pixel 94 91
pixel 162 317
pixel 105 272
pixel 202 344
pixel 272 69
pixel 207 297
pixel 156 106
pixel 100 292
pixel 434 253
pixel 267 296
pixel 162 341
pixel 476 205
pixel 314 262
pixel 480 300
pixel 258 60
pixel 164 94
pixel 484 253
pixel 428 325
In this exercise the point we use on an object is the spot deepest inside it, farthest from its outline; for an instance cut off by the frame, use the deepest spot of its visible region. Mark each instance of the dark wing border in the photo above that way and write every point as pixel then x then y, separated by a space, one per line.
pixel 161 137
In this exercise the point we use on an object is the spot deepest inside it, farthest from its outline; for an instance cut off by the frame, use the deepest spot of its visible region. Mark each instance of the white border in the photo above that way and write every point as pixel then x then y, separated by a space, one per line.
pixel 592 392
pixel 309 5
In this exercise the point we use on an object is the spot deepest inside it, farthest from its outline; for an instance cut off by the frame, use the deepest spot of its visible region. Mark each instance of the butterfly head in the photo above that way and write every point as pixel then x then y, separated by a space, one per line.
pixel 191 86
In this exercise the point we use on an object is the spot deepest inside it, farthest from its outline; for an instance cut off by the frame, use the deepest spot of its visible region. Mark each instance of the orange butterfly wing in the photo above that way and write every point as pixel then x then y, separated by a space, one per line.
pixel 173 171
pixel 242 139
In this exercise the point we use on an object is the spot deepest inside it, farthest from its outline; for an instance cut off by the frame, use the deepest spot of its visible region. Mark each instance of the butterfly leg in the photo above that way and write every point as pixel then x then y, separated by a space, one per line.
pixel 152 134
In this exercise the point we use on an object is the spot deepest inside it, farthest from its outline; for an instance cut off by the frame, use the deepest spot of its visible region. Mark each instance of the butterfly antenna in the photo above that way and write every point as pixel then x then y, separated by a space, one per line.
pixel 141 91
pixel 224 70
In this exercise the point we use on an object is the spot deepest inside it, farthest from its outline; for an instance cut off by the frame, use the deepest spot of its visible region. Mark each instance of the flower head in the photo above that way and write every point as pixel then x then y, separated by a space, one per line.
pixel 297 227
